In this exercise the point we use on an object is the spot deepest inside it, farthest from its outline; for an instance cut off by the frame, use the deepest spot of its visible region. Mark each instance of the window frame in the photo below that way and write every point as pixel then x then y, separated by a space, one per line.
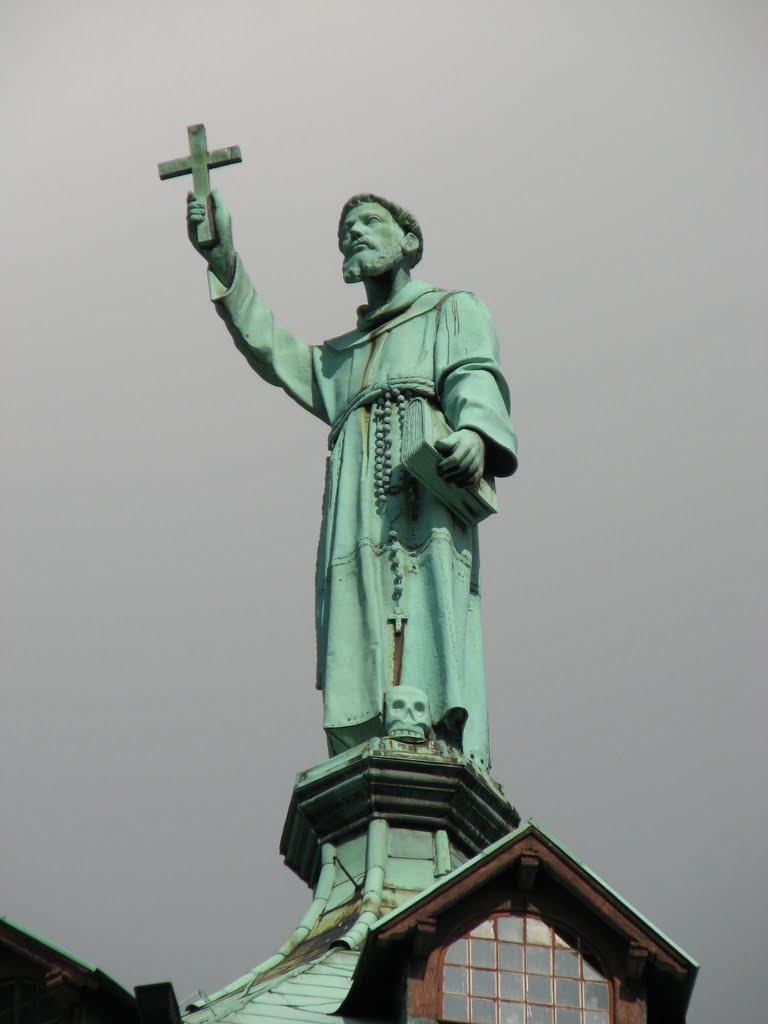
pixel 575 943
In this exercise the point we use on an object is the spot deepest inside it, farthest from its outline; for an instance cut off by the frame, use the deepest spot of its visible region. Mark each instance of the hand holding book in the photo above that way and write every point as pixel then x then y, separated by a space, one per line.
pixel 449 463
pixel 464 461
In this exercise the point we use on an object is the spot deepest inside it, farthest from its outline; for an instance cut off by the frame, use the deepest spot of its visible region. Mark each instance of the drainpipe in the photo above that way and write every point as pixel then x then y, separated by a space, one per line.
pixel 375 872
pixel 323 889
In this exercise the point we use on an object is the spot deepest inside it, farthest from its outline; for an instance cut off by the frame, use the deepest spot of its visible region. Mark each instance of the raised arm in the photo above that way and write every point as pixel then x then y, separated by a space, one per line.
pixel 277 355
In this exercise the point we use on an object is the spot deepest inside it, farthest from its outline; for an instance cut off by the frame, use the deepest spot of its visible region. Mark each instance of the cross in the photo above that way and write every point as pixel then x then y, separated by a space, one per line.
pixel 198 163
pixel 398 620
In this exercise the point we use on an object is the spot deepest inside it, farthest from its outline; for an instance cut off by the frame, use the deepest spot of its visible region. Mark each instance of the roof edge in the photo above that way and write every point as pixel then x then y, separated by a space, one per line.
pixel 615 894
pixel 533 827
pixel 83 965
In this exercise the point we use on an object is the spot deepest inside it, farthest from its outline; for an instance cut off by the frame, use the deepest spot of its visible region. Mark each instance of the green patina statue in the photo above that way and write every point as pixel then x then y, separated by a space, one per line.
pixel 397 595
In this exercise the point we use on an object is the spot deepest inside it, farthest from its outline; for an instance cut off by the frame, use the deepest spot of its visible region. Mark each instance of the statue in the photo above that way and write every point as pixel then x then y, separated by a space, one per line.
pixel 397 588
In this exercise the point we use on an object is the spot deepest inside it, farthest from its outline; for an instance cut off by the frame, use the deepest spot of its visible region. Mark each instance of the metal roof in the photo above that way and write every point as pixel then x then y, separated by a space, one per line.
pixel 309 994
pixel 312 991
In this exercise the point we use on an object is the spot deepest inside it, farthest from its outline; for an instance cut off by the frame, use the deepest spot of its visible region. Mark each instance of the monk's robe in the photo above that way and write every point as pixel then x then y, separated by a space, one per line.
pixel 390 553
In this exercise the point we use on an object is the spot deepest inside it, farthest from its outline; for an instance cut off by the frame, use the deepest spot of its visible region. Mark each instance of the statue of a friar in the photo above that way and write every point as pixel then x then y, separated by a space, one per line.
pixel 397 592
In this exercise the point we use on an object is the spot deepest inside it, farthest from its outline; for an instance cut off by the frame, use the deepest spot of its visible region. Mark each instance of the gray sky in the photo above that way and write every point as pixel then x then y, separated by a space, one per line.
pixel 596 172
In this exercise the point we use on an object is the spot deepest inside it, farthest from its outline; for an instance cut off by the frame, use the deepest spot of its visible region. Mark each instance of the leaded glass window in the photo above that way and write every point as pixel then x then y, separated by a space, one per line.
pixel 518 970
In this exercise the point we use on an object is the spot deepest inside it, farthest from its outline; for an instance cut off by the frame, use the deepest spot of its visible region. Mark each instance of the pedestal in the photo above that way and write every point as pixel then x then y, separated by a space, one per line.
pixel 439 809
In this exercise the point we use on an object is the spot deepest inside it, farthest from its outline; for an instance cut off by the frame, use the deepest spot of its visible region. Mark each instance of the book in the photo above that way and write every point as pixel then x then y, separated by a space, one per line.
pixel 424 425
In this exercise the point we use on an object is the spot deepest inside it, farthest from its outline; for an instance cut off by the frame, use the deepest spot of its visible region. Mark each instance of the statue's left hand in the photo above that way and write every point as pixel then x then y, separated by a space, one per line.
pixel 465 457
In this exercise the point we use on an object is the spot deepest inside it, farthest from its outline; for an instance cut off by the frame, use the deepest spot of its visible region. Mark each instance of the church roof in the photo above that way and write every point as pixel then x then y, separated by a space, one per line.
pixel 325 983
pixel 308 994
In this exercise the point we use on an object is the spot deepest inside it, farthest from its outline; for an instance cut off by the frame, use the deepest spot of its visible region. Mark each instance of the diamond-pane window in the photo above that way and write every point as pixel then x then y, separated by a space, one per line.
pixel 519 970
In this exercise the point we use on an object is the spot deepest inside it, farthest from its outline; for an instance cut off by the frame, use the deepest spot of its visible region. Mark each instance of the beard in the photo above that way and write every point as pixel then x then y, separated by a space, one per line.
pixel 367 263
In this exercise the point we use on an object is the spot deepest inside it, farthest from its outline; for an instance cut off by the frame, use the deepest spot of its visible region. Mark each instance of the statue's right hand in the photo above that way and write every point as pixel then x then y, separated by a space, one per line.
pixel 220 257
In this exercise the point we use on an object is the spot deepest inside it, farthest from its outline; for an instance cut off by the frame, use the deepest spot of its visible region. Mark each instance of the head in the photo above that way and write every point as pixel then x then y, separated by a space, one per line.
pixel 377 236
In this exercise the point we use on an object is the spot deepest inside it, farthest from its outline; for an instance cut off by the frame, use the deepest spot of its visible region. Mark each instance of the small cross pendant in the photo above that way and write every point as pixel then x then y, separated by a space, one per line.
pixel 397 620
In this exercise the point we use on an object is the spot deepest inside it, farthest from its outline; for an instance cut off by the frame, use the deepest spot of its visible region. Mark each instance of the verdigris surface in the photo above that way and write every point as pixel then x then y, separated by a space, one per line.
pixel 397 593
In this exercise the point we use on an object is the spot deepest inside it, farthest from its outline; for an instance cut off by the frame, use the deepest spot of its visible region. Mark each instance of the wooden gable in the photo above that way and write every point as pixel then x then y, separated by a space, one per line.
pixel 42 984
pixel 528 873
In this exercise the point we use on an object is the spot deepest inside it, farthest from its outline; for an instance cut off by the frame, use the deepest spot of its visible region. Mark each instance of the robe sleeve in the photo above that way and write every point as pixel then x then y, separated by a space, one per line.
pixel 471 388
pixel 278 356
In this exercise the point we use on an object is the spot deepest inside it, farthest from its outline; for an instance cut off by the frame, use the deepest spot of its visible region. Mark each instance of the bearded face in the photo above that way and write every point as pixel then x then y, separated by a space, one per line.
pixel 370 242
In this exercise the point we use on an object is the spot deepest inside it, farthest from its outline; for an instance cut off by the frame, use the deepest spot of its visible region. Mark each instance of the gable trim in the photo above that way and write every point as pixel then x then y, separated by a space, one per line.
pixel 520 848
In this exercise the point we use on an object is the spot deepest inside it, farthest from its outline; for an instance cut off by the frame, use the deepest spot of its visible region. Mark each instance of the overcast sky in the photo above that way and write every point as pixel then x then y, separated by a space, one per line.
pixel 596 172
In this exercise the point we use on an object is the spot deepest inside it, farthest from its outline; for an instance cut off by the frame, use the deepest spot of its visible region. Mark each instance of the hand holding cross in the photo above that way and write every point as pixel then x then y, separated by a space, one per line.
pixel 198 163
pixel 209 224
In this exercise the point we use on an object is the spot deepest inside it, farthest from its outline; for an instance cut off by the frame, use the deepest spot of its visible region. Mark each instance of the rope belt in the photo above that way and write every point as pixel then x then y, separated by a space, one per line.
pixel 415 385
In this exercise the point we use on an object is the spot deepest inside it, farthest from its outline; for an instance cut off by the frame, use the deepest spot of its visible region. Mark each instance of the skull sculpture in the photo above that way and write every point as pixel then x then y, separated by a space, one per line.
pixel 406 714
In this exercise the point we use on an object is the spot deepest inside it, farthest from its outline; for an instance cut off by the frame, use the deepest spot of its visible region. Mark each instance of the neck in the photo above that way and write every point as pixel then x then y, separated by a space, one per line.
pixel 382 289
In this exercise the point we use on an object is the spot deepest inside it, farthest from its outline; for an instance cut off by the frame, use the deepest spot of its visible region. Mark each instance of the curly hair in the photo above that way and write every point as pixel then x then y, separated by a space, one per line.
pixel 402 217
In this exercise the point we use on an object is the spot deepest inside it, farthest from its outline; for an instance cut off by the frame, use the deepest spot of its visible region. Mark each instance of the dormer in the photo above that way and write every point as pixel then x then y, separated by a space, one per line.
pixel 524 933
